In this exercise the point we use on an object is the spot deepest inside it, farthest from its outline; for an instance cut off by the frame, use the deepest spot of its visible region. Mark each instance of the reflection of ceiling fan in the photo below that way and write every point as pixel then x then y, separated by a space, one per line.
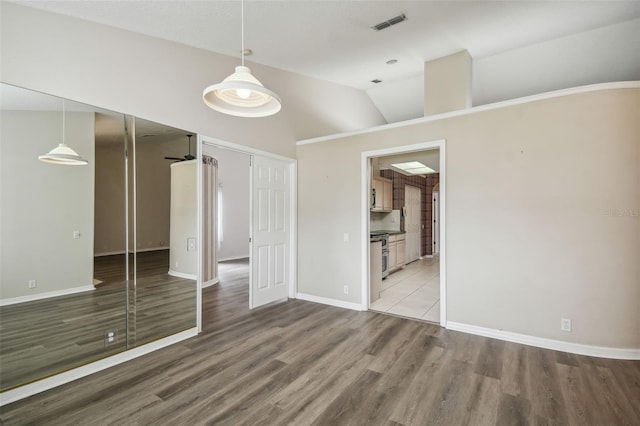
pixel 186 157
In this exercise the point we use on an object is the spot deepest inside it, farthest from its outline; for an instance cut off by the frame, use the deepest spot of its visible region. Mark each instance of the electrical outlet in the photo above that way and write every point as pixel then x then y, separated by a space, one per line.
pixel 346 289
pixel 33 284
pixel 76 234
pixel 565 324
pixel 110 337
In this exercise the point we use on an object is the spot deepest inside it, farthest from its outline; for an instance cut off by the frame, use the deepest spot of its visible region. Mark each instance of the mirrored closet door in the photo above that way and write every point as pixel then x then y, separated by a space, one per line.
pixel 85 249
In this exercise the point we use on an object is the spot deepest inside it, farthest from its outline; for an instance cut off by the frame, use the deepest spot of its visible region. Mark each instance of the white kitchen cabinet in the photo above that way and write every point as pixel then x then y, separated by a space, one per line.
pixel 387 195
pixel 382 195
pixel 401 250
pixel 393 260
pixel 397 249
pixel 375 272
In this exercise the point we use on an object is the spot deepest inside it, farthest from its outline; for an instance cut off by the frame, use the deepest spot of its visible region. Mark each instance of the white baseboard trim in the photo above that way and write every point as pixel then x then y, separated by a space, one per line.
pixel 327 301
pixel 25 391
pixel 112 253
pixel 181 275
pixel 209 283
pixel 541 342
pixel 45 295
pixel 226 259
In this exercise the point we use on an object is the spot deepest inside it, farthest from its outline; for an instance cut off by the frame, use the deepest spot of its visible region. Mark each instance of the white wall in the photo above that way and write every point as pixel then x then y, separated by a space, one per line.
pixel 43 204
pixel 601 55
pixel 184 208
pixel 532 230
pixel 447 83
pixel 233 179
pixel 163 81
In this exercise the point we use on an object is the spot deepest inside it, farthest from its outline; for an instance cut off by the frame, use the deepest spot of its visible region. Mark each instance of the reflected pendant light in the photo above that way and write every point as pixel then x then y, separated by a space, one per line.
pixel 62 154
pixel 241 94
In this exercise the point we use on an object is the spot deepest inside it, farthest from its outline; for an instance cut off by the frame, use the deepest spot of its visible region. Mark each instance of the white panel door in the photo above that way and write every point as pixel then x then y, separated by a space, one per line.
pixel 412 222
pixel 270 233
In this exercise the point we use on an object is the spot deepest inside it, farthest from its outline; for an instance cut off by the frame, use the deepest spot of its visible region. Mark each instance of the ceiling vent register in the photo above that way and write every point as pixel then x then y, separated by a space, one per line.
pixel 390 22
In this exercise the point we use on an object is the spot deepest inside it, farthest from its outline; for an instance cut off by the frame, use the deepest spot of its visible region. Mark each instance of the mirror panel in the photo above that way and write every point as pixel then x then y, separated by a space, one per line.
pixel 84 256
pixel 165 294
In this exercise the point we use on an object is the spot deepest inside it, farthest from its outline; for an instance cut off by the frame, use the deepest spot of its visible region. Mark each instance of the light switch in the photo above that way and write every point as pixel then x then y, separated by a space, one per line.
pixel 345 237
pixel 191 244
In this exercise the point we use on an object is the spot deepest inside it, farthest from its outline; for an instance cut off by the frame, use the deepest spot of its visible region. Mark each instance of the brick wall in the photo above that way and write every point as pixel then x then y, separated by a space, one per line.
pixel 426 185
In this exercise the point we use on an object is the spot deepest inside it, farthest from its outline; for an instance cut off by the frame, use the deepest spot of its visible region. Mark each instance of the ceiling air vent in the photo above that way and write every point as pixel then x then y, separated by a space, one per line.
pixel 390 22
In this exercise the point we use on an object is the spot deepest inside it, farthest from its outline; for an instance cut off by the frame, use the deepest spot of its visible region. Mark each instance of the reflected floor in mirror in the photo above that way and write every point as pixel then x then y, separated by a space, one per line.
pixel 48 336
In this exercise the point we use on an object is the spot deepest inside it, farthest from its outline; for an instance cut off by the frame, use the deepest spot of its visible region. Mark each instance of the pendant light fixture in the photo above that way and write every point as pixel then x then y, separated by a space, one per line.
pixel 62 154
pixel 241 94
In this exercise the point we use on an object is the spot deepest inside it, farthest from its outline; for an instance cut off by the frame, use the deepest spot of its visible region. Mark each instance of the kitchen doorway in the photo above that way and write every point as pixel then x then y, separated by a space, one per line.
pixel 416 284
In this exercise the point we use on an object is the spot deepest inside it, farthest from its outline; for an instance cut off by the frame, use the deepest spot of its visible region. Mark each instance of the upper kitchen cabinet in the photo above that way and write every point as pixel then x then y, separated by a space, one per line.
pixel 381 195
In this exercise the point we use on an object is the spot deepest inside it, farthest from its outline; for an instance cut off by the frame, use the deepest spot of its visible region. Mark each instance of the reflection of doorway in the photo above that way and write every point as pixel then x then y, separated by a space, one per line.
pixel 412 222
pixel 423 279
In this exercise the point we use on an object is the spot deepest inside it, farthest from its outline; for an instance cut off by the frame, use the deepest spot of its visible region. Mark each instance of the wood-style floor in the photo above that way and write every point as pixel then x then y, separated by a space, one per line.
pixel 302 363
pixel 52 335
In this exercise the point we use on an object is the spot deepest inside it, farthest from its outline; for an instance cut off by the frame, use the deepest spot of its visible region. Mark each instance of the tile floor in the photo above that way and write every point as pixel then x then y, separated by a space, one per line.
pixel 413 291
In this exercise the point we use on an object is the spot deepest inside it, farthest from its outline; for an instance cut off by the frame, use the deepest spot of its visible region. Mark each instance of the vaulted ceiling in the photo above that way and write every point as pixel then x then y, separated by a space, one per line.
pixel 334 41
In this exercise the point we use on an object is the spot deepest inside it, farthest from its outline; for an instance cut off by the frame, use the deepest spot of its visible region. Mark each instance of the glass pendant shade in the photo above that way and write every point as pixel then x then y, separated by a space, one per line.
pixel 62 154
pixel 241 95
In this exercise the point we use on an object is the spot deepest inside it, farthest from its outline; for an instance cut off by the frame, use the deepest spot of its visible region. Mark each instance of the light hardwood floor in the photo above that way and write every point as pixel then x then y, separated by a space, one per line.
pixel 303 363
pixel 48 336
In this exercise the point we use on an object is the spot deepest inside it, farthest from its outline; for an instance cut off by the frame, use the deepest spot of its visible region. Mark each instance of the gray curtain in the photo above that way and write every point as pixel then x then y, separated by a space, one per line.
pixel 209 219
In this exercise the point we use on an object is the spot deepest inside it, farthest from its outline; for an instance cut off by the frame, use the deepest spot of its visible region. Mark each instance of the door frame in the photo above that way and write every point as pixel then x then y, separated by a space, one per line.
pixel 365 185
pixel 435 218
pixel 293 209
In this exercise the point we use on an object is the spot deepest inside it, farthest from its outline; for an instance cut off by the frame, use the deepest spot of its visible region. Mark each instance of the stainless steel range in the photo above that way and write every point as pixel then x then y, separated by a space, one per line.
pixel 384 238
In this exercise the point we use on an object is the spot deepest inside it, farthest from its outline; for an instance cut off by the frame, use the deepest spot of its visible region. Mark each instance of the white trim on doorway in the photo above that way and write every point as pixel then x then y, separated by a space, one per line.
pixel 365 183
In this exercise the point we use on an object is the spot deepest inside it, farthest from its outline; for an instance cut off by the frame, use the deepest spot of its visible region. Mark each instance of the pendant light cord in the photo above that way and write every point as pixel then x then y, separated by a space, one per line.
pixel 242 29
pixel 63 119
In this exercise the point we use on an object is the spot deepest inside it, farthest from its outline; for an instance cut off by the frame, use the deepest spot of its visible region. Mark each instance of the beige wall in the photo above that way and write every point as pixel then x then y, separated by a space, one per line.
pixel 153 183
pixel 163 81
pixel 534 229
pixel 447 83
pixel 109 201
pixel 43 204
pixel 184 219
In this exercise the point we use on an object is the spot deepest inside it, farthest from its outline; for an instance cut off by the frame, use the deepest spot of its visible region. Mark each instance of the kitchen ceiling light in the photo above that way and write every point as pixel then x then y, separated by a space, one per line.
pixel 241 94
pixel 62 154
pixel 414 168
